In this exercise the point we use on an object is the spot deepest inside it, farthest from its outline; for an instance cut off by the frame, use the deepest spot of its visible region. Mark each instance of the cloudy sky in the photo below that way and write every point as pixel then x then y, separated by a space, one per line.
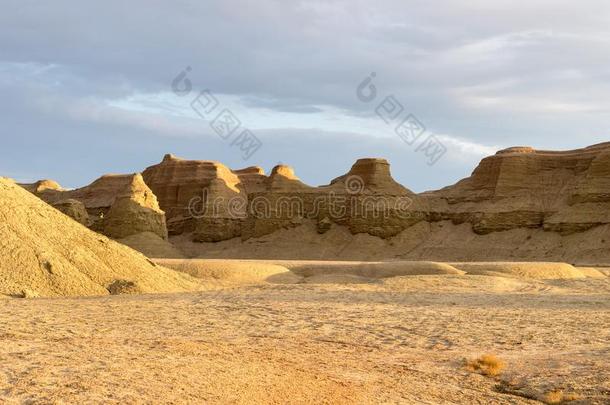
pixel 94 87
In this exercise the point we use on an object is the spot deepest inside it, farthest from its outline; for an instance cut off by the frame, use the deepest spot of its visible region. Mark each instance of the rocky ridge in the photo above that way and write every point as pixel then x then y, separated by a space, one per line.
pixel 564 192
pixel 518 189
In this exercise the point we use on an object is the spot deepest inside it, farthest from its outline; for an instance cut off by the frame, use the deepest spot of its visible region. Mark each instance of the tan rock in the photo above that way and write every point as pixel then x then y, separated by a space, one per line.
pixel 45 253
pixel 117 205
pixel 252 179
pixel 525 188
pixel 134 210
pixel 224 209
pixel 180 183
pixel 74 209
pixel 41 186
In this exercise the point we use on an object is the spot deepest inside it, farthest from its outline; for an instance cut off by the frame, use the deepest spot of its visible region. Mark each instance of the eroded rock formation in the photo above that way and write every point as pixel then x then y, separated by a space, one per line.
pixel 115 205
pixel 520 187
pixel 180 184
pixel 134 210
pixel 74 209
pixel 216 203
pixel 514 204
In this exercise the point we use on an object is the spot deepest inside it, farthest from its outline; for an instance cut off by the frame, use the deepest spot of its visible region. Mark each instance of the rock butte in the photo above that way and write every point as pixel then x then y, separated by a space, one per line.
pixel 518 189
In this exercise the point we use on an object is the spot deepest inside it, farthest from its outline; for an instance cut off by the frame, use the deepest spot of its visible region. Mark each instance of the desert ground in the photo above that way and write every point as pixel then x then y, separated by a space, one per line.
pixel 256 334
pixel 107 298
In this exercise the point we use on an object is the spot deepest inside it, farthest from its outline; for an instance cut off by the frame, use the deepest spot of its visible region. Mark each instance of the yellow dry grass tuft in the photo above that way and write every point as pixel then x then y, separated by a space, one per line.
pixel 558 397
pixel 488 365
pixel 553 397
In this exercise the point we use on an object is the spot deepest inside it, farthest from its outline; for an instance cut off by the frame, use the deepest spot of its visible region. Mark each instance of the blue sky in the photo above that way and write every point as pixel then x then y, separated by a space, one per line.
pixel 88 86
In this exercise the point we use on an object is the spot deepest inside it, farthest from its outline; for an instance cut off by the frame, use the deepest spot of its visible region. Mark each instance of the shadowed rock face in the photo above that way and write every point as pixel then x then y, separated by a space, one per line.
pixel 252 179
pixel 74 209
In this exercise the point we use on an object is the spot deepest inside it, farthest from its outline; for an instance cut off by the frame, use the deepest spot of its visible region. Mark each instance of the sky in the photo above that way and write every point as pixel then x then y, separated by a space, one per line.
pixel 109 87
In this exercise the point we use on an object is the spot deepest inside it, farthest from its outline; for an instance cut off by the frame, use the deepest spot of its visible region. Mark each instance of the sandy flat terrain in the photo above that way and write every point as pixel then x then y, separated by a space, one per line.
pixel 397 340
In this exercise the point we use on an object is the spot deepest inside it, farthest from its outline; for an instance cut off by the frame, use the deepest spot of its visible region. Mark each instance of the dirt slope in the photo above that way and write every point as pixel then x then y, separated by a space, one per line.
pixel 45 253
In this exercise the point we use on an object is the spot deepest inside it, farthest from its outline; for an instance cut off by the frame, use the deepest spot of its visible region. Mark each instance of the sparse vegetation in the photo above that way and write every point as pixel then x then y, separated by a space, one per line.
pixel 558 397
pixel 488 365
pixel 521 389
pixel 553 397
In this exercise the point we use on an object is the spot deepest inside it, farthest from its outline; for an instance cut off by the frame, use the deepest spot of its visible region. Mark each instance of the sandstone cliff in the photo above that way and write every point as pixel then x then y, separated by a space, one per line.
pixel 214 203
pixel 520 203
pixel 180 186
pixel 520 187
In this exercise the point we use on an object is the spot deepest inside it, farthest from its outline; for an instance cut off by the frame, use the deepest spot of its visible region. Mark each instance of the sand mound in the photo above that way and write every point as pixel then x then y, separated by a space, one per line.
pixel 371 269
pixel 152 245
pixel 591 272
pixel 541 270
pixel 338 279
pixel 45 253
pixel 293 271
pixel 241 272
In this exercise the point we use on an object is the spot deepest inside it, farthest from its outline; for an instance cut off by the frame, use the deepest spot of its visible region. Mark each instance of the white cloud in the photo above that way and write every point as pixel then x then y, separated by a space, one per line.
pixel 464 149
pixel 481 73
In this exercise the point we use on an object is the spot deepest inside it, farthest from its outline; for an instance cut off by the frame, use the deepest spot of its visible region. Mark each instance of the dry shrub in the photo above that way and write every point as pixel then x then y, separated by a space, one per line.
pixel 118 287
pixel 553 397
pixel 488 365
pixel 571 397
pixel 558 397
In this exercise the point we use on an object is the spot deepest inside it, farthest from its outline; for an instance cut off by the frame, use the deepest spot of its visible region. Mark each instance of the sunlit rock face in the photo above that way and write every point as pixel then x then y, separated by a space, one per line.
pixel 115 205
pixel 522 187
pixel 215 203
pixel 517 188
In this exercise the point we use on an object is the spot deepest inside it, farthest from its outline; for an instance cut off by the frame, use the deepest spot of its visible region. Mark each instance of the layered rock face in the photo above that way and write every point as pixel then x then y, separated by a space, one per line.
pixel 376 203
pixel 520 187
pixel 252 179
pixel 134 210
pixel 115 205
pixel 195 194
pixel 216 203
pixel 518 192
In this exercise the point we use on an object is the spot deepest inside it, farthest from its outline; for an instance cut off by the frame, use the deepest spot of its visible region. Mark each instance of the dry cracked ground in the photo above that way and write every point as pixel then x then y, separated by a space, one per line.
pixel 403 341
